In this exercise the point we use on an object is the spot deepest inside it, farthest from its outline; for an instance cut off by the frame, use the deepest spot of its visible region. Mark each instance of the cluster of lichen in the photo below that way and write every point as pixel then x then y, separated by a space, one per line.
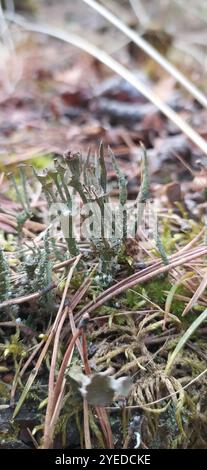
pixel 70 177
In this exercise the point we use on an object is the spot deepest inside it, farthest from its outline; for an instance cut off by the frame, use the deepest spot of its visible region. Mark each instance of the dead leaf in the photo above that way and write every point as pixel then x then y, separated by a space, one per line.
pixel 100 389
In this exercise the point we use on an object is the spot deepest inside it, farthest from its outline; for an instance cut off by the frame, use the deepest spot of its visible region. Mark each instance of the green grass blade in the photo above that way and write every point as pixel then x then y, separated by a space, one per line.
pixel 184 339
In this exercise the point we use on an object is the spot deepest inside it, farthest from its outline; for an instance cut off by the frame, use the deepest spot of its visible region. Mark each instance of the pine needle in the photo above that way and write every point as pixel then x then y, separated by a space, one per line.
pixel 196 295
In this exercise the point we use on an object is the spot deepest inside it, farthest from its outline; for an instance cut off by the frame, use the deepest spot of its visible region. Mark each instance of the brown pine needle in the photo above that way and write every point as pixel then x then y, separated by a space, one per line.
pixel 142 277
pixel 48 341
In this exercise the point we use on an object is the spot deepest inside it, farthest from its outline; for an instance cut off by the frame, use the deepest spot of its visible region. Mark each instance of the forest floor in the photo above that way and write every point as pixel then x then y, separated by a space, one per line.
pixel 135 309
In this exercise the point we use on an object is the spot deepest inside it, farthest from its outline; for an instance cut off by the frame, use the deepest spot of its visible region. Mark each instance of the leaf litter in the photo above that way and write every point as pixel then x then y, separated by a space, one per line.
pixel 139 358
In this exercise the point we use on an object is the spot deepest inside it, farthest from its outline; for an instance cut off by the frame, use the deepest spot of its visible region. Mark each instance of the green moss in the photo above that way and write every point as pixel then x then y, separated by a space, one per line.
pixel 120 320
pixel 133 300
pixel 4 392
pixel 41 161
pixel 177 307
pixel 77 280
pixel 154 290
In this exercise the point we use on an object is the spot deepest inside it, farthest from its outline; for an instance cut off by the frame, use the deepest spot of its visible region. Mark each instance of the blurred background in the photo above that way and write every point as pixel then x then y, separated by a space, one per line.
pixel 54 95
